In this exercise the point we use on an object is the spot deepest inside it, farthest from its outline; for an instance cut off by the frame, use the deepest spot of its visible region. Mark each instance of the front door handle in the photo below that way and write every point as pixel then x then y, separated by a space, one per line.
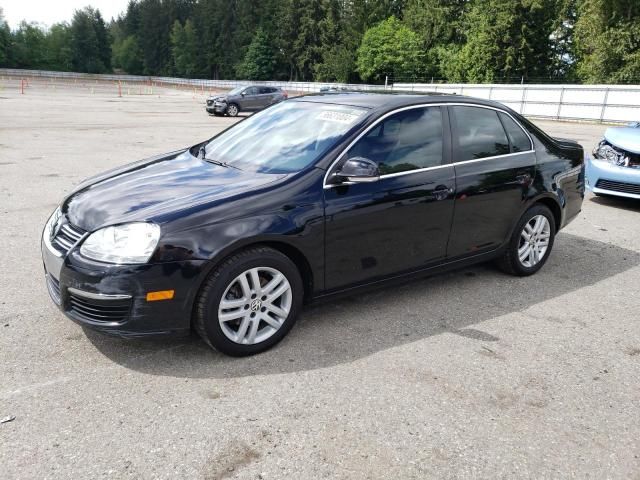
pixel 441 192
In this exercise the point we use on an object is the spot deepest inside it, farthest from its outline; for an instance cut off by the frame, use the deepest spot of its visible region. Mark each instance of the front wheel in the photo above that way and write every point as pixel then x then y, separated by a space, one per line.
pixel 249 302
pixel 232 110
pixel 531 242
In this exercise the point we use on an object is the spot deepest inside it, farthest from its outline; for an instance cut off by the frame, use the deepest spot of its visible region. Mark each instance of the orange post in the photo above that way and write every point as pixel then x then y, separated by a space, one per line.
pixel 119 89
pixel 22 86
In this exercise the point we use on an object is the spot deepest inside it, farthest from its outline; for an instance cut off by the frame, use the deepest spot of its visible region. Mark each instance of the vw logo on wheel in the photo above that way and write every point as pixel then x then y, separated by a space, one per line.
pixel 255 305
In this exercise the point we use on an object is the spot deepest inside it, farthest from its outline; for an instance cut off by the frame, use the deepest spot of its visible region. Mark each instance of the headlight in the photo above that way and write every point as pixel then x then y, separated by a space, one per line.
pixel 49 228
pixel 128 243
pixel 606 152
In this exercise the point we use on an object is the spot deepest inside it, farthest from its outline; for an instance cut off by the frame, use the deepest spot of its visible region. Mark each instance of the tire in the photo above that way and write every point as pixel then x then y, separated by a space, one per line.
pixel 232 110
pixel 534 260
pixel 235 335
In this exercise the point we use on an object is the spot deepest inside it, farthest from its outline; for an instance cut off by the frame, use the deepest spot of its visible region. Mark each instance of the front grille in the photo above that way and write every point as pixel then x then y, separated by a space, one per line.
pixel 54 289
pixel 99 310
pixel 67 236
pixel 623 187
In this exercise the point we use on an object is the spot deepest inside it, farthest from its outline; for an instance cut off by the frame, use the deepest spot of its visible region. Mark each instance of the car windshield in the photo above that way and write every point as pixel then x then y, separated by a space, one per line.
pixel 284 138
pixel 236 91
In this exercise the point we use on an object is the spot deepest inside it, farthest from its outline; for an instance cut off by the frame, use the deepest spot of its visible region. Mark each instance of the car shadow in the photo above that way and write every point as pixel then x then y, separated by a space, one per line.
pixel 345 330
pixel 623 203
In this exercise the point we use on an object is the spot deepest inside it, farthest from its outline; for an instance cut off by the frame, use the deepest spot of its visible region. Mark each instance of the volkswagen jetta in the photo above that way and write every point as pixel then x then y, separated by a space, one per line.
pixel 312 197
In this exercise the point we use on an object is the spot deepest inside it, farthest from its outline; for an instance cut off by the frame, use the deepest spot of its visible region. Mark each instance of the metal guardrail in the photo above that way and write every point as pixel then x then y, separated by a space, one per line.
pixel 603 103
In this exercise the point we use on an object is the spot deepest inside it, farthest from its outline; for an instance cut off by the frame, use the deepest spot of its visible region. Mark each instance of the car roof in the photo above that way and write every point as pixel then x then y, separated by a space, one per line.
pixel 390 100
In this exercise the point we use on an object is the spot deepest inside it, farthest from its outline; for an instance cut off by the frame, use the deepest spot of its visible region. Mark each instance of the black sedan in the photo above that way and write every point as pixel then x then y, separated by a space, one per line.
pixel 312 197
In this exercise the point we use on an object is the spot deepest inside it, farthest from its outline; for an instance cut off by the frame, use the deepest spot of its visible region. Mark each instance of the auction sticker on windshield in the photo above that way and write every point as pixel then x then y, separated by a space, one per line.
pixel 340 116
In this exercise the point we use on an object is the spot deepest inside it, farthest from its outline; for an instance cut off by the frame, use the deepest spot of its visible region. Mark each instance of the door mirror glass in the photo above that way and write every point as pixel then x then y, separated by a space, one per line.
pixel 359 169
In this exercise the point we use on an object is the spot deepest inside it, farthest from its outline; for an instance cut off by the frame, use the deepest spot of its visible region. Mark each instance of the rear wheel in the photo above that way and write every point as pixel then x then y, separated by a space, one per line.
pixel 531 242
pixel 232 110
pixel 249 302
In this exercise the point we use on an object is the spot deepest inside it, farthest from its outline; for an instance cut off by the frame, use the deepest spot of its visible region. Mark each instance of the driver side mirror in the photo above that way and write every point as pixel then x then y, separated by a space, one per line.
pixel 358 170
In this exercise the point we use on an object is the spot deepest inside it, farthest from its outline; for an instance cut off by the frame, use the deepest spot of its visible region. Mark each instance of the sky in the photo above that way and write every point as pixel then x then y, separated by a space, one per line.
pixel 48 12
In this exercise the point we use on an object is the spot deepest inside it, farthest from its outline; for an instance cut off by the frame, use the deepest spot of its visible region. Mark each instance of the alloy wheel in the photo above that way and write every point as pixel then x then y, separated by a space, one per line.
pixel 232 110
pixel 534 241
pixel 255 305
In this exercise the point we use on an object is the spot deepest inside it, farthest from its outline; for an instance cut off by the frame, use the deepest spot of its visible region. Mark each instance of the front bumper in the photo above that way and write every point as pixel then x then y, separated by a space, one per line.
pixel 608 179
pixel 112 298
pixel 216 107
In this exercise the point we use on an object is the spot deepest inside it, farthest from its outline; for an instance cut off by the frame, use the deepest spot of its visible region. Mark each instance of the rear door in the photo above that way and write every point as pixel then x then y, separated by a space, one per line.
pixel 495 165
pixel 265 97
pixel 400 222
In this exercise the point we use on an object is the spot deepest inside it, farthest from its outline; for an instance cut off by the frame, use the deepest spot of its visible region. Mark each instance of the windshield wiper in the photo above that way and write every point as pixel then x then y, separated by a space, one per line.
pixel 202 154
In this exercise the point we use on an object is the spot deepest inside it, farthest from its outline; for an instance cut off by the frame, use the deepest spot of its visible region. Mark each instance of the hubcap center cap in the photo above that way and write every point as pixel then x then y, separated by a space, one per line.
pixel 256 305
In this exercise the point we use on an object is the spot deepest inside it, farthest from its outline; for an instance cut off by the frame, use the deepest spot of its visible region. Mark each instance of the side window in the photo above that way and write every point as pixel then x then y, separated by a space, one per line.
pixel 264 90
pixel 405 141
pixel 519 140
pixel 251 91
pixel 479 133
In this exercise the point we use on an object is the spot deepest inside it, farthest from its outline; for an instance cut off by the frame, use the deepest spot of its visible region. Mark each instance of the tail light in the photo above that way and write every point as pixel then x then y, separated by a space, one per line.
pixel 285 94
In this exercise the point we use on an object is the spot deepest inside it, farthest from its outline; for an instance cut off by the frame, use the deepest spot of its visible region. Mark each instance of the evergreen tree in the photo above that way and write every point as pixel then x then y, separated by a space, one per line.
pixel 338 61
pixel 90 44
pixel 306 46
pixel 438 24
pixel 259 61
pixel 128 56
pixel 28 46
pixel 104 42
pixel 389 48
pixel 5 41
pixel 608 41
pixel 563 51
pixel 505 39
pixel 184 47
pixel 58 55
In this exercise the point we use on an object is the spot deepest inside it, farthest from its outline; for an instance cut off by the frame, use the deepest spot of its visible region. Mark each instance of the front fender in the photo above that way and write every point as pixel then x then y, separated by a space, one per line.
pixel 299 228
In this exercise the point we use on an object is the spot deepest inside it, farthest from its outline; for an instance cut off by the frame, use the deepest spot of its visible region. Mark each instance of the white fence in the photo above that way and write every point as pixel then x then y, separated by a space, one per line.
pixel 608 103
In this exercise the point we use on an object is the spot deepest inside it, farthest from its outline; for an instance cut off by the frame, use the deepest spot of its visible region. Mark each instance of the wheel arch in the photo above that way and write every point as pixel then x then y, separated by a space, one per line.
pixel 290 251
pixel 549 201
pixel 552 204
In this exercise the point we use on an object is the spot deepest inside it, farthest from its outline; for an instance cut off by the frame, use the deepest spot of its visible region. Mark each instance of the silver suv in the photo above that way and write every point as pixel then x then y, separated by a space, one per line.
pixel 245 99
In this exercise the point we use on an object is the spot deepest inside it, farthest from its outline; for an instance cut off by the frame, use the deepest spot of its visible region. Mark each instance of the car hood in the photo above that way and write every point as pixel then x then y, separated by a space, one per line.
pixel 157 188
pixel 626 138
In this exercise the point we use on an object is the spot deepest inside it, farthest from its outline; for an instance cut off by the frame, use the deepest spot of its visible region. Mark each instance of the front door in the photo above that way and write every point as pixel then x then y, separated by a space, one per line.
pixel 495 166
pixel 250 99
pixel 400 222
